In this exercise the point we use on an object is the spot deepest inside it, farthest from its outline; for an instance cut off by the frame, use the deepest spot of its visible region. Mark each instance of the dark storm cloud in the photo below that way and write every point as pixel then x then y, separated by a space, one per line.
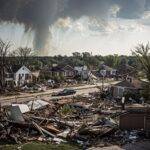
pixel 40 14
pixel 34 14
pixel 77 8
pixel 131 9
pixel 147 4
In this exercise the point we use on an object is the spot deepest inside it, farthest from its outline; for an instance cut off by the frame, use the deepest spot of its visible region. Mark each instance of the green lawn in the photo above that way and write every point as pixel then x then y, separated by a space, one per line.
pixel 39 146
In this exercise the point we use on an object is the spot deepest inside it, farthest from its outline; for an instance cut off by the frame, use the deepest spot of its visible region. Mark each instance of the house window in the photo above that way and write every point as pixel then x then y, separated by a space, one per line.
pixel 120 91
pixel 26 76
pixel 65 73
pixel 70 73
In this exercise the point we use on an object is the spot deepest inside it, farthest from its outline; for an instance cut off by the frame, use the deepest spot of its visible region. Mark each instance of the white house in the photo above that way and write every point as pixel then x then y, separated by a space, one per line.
pixel 107 71
pixel 82 71
pixel 113 72
pixel 22 76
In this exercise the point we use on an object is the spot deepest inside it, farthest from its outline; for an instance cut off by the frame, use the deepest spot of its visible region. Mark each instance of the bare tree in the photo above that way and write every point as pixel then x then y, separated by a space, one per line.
pixel 23 53
pixel 4 52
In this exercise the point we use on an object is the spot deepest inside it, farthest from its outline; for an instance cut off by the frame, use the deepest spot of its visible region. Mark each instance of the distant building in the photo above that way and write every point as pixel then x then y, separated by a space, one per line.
pixel 69 72
pixel 56 71
pixel 128 85
pixel 82 71
pixel 9 78
pixel 36 75
pixel 20 75
pixel 106 71
pixel 126 69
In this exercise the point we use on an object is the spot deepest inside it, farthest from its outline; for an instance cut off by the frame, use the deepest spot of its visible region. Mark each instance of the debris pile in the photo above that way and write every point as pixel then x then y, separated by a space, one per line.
pixel 86 120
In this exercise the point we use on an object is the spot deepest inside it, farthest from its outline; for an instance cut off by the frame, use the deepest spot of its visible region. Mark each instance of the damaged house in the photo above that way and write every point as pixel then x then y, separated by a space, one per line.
pixel 129 85
pixel 56 71
pixel 20 75
pixel 82 72
pixel 106 71
pixel 69 72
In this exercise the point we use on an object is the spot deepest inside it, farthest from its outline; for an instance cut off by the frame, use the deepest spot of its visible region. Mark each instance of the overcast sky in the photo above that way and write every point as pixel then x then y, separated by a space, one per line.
pixel 97 26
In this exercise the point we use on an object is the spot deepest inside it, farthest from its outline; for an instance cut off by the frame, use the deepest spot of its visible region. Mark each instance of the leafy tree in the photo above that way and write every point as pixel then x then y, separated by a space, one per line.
pixel 142 53
pixel 112 61
pixel 76 54
pixel 86 55
pixel 109 60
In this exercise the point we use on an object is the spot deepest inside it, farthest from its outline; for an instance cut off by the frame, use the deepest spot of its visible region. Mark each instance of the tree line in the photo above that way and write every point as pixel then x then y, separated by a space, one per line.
pixel 140 60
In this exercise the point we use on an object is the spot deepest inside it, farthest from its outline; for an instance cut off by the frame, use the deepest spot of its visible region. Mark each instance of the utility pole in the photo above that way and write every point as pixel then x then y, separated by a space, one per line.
pixel 102 83
pixel 103 73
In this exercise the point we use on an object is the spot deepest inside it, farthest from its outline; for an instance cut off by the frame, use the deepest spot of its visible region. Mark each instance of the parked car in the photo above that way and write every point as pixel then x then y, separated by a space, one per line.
pixel 64 92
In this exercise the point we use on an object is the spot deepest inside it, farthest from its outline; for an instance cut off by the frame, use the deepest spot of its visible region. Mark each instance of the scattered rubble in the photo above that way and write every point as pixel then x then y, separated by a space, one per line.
pixel 87 121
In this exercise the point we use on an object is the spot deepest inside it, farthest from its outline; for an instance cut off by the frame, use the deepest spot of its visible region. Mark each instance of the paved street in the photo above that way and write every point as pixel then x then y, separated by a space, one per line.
pixel 84 89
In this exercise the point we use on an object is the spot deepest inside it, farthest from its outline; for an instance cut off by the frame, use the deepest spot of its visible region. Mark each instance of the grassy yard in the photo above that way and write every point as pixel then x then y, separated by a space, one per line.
pixel 39 146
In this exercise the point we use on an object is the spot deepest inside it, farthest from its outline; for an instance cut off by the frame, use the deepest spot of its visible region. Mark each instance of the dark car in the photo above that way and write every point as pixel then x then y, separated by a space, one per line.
pixel 65 92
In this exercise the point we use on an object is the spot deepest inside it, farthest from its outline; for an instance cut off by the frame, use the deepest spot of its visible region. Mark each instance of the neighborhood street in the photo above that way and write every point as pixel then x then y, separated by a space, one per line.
pixel 84 89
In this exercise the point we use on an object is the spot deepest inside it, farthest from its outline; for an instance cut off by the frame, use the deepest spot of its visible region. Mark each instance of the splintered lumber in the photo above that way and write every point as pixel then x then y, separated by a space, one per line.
pixel 64 134
pixel 64 123
pixel 51 128
pixel 38 128
pixel 43 131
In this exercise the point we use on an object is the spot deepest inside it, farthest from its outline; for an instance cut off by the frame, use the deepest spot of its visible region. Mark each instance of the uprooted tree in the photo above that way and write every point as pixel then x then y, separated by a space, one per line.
pixel 142 53
pixel 4 52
